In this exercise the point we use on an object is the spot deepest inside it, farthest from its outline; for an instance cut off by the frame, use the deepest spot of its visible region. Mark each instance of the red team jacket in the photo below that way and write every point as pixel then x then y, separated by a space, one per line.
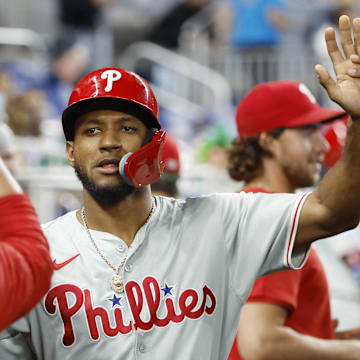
pixel 303 292
pixel 25 264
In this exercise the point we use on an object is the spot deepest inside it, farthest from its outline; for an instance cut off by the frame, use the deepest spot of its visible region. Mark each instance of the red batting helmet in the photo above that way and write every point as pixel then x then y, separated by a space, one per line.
pixel 113 89
pixel 121 90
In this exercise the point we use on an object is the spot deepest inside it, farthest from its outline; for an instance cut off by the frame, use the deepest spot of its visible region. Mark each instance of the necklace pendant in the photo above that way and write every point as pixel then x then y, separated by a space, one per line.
pixel 117 283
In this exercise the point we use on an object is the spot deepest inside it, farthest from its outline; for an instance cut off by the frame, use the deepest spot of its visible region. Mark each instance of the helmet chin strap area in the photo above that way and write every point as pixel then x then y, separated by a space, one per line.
pixel 144 166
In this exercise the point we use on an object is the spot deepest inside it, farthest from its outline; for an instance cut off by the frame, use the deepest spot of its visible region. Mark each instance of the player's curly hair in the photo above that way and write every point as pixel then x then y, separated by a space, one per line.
pixel 245 157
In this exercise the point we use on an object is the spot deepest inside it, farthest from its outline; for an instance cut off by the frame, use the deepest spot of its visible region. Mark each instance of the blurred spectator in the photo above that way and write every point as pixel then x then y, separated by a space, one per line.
pixel 167 184
pixel 5 88
pixel 4 94
pixel 156 9
pixel 166 33
pixel 81 14
pixel 214 148
pixel 256 31
pixel 258 23
pixel 207 173
pixel 25 113
pixel 208 17
pixel 322 18
pixel 8 151
pixel 84 19
pixel 49 83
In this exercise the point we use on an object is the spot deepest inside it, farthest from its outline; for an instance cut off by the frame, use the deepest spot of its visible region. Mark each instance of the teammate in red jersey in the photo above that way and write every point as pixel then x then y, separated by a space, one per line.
pixel 25 265
pixel 281 148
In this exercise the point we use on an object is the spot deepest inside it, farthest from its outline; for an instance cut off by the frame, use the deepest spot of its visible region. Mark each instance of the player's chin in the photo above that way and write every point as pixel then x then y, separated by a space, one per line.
pixel 107 179
pixel 307 178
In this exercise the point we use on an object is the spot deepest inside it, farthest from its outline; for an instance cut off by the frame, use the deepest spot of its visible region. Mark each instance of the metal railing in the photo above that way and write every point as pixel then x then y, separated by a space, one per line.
pixel 181 85
pixel 244 70
pixel 15 40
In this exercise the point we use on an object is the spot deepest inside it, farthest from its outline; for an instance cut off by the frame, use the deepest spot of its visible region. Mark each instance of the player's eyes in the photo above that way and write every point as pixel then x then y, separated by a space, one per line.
pixel 125 128
pixel 129 128
pixel 92 131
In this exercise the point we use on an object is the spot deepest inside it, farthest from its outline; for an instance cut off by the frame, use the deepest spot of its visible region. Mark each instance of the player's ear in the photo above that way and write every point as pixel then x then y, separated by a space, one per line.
pixel 267 142
pixel 70 153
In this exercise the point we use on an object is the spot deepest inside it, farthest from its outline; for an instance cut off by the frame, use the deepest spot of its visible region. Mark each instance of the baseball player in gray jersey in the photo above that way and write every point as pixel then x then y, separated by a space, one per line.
pixel 142 277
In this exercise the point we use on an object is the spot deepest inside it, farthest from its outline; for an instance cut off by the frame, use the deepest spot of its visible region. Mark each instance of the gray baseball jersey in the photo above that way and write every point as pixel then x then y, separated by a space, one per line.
pixel 187 274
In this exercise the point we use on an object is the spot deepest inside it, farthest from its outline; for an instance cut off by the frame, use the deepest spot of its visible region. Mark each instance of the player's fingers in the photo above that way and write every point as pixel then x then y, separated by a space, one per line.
pixel 355 59
pixel 354 72
pixel 356 27
pixel 335 54
pixel 345 36
pixel 327 82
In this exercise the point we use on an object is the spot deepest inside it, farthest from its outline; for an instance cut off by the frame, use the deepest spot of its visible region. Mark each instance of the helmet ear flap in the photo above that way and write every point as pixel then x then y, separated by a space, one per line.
pixel 149 136
pixel 144 166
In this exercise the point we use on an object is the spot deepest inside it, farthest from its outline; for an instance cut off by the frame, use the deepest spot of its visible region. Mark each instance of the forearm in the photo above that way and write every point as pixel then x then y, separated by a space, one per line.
pixel 284 343
pixel 25 264
pixel 8 184
pixel 339 192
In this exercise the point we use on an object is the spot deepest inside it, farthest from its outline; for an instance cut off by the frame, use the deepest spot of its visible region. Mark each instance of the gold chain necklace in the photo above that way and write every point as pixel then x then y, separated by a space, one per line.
pixel 117 282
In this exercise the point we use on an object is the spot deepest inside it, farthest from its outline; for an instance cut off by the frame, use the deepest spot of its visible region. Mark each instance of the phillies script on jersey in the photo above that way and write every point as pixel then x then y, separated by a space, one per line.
pixel 186 275
pixel 191 305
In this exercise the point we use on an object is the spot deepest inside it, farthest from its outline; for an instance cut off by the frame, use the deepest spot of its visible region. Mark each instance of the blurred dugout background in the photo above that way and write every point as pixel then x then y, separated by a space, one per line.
pixel 200 59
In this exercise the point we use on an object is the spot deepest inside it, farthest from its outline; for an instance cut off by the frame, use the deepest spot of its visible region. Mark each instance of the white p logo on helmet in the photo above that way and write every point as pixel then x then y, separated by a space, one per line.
pixel 305 90
pixel 112 76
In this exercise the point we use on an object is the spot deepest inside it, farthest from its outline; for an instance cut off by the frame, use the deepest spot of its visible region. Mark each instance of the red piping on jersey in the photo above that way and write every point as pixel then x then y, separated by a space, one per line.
pixel 292 229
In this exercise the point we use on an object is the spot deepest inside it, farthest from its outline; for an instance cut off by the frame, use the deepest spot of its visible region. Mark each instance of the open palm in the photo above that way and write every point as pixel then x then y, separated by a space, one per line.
pixel 346 89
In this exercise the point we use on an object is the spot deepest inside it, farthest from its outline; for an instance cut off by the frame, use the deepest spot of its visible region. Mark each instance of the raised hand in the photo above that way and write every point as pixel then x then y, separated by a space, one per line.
pixel 346 89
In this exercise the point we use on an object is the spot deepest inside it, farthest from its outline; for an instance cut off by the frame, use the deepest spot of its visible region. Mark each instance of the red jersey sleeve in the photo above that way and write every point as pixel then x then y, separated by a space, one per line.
pixel 280 288
pixel 25 264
